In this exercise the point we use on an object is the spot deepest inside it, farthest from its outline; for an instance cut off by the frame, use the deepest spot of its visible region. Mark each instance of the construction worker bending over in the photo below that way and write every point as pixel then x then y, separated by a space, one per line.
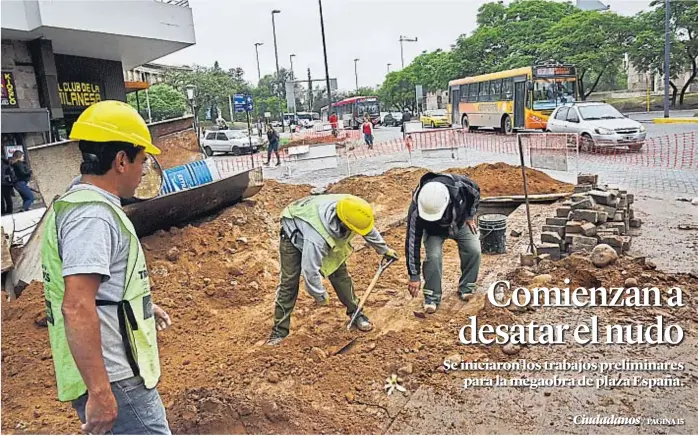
pixel 316 235
pixel 101 319
pixel 443 207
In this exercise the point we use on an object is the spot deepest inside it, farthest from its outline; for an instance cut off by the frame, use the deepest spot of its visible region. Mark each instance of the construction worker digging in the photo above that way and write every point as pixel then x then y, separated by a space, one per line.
pixel 101 319
pixel 443 207
pixel 316 235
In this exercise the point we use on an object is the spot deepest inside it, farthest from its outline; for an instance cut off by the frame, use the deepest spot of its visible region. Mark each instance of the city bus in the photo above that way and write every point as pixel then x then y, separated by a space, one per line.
pixel 352 110
pixel 522 98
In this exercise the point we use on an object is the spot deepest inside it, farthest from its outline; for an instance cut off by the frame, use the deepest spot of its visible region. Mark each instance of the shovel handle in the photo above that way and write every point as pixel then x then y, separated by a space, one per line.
pixel 382 266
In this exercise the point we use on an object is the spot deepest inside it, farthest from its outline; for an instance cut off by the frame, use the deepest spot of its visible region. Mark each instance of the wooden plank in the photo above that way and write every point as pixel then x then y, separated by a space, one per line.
pixel 7 263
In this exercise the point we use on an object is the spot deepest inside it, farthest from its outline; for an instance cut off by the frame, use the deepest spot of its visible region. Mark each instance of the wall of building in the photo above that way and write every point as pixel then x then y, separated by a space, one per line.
pixel 17 59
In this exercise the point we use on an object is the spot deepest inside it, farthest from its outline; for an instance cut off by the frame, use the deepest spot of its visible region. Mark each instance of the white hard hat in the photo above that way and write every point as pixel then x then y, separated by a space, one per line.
pixel 432 201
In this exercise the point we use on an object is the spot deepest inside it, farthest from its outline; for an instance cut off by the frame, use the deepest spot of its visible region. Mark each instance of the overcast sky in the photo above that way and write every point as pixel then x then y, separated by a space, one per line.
pixel 226 31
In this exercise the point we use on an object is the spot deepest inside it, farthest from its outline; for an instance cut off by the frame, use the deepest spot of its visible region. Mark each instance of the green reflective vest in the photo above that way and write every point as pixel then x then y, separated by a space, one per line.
pixel 135 311
pixel 308 210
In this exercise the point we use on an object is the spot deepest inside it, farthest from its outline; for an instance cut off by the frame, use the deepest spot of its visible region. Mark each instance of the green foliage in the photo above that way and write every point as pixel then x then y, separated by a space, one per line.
pixel 165 102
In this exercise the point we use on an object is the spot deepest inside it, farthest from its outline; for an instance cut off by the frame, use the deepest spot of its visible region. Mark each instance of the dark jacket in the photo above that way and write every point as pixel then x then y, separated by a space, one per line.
pixel 273 137
pixel 22 171
pixel 465 198
pixel 8 173
pixel 406 117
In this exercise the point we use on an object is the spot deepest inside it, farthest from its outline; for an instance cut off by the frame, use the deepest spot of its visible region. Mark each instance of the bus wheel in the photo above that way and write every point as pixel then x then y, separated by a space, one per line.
pixel 507 128
pixel 464 123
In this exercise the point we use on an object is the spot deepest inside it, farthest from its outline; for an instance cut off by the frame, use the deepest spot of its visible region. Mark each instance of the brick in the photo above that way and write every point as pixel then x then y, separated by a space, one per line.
pixel 619 226
pixel 631 213
pixel 542 257
pixel 627 242
pixel 582 243
pixel 610 210
pixel 560 230
pixel 552 249
pixel 606 232
pixel 619 216
pixel 578 197
pixel 613 241
pixel 569 238
pixel 636 257
pixel 563 212
pixel 622 202
pixel 583 188
pixel 573 227
pixel 588 229
pixel 603 217
pixel 586 203
pixel 631 198
pixel 587 179
pixel 587 215
pixel 556 221
pixel 551 238
pixel 635 223
pixel 603 197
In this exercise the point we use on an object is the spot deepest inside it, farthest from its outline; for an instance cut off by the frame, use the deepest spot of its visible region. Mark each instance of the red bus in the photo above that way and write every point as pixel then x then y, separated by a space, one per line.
pixel 352 110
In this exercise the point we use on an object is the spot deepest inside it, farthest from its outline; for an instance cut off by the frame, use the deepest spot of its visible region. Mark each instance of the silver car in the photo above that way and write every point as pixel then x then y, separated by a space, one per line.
pixel 229 141
pixel 598 125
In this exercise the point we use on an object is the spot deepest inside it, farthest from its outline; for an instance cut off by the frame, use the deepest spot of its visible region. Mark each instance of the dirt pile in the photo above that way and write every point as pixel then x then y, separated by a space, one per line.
pixel 178 149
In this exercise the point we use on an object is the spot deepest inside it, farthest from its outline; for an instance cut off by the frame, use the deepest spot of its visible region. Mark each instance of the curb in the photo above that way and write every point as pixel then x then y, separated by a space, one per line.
pixel 693 120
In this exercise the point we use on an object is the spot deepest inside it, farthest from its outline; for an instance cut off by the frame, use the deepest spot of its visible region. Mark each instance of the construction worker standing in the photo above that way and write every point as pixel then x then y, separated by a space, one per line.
pixel 443 207
pixel 101 319
pixel 316 234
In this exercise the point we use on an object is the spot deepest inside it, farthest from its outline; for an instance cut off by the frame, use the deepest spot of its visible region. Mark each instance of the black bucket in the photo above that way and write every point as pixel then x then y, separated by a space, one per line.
pixel 493 233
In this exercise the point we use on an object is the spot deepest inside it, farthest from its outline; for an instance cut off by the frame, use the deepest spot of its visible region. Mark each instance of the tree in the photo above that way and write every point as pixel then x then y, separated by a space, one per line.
pixel 165 102
pixel 398 90
pixel 593 41
pixel 647 54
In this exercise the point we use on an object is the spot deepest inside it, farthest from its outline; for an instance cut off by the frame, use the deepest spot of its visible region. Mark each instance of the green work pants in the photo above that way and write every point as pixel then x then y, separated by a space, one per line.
pixel 469 253
pixel 287 292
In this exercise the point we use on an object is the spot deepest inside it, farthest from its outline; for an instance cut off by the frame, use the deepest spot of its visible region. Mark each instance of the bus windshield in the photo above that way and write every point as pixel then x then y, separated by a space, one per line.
pixel 370 108
pixel 548 93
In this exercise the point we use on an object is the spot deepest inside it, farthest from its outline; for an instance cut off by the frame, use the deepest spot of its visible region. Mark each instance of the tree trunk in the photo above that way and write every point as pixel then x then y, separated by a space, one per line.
pixel 694 72
pixel 581 85
pixel 674 92
pixel 596 82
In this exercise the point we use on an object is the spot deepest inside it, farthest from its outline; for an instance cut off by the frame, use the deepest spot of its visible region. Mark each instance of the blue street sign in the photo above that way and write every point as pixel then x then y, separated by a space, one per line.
pixel 249 104
pixel 239 102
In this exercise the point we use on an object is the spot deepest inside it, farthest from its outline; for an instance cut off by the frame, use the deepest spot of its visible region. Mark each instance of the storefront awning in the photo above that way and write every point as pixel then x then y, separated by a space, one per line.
pixel 25 120
pixel 135 86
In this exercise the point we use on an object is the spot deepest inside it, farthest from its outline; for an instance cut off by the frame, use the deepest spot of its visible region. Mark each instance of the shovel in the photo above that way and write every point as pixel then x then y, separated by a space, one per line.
pixel 382 266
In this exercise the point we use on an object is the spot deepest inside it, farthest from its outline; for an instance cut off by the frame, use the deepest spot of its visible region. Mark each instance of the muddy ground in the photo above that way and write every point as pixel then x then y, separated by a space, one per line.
pixel 216 278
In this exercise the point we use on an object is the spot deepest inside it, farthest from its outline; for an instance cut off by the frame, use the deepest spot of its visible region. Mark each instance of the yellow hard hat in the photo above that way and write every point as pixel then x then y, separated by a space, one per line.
pixel 356 214
pixel 112 120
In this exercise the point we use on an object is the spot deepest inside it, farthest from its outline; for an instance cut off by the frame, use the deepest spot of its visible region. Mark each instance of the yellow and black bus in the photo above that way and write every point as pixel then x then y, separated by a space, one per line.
pixel 522 98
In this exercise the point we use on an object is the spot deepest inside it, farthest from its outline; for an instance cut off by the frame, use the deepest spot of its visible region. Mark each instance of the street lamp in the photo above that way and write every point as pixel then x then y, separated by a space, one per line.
pixel 290 57
pixel 356 73
pixel 256 49
pixel 402 50
pixel 276 56
pixel 667 51
pixel 389 67
pixel 327 70
pixel 191 96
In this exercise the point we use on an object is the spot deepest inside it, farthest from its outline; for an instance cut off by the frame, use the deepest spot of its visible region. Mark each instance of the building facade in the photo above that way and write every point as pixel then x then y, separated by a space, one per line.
pixel 58 58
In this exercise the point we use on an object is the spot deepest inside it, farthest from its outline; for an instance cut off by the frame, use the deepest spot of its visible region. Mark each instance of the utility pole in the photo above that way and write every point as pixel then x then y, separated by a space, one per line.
pixel 310 91
pixel 356 73
pixel 327 70
pixel 295 110
pixel 290 57
pixel 667 50
pixel 256 49
pixel 402 50
pixel 278 74
pixel 389 68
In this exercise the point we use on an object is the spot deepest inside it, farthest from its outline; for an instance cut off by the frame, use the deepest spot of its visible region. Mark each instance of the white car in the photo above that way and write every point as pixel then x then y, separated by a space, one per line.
pixel 229 141
pixel 598 125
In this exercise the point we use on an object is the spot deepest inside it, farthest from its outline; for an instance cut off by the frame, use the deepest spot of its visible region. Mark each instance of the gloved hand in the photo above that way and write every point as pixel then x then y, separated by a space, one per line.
pixel 323 300
pixel 391 254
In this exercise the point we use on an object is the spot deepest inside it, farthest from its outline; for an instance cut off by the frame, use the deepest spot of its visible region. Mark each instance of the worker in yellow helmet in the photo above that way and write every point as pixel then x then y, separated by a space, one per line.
pixel 101 319
pixel 316 234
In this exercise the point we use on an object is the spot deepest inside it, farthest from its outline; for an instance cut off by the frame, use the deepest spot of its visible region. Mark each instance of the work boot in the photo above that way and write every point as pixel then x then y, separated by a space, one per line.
pixel 430 307
pixel 275 339
pixel 278 163
pixel 465 296
pixel 362 323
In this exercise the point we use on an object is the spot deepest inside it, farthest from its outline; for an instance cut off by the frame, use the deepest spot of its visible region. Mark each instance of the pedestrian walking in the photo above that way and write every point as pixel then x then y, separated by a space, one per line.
pixel 8 190
pixel 333 123
pixel 273 137
pixel 102 321
pixel 316 234
pixel 443 207
pixel 23 175
pixel 406 117
pixel 367 128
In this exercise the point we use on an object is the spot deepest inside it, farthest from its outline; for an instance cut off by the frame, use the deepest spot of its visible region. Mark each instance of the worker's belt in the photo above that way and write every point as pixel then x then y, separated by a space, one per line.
pixel 284 236
pixel 125 313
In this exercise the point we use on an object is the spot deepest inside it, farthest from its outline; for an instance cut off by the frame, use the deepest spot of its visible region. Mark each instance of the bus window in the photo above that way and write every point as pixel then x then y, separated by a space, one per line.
pixel 464 92
pixel 495 89
pixel 508 89
pixel 473 92
pixel 484 91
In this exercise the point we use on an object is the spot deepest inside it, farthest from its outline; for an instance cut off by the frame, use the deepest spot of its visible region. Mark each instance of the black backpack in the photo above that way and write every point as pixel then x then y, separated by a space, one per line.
pixel 8 174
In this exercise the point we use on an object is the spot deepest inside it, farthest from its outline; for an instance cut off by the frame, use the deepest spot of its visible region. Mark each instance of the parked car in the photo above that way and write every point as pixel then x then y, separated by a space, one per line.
pixel 229 141
pixel 598 125
pixel 435 118
pixel 393 119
